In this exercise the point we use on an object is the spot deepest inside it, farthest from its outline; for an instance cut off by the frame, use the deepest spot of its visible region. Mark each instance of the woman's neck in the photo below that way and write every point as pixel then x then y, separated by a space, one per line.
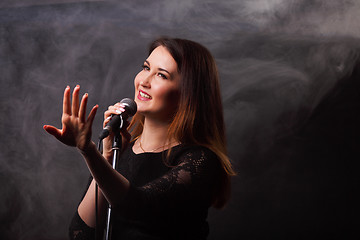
pixel 154 137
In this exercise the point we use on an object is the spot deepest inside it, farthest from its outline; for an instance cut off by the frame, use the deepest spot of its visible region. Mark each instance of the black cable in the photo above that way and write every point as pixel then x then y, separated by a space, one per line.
pixel 96 199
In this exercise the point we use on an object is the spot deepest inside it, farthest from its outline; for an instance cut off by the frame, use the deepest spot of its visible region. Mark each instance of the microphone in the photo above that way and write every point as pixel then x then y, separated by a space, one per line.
pixel 117 121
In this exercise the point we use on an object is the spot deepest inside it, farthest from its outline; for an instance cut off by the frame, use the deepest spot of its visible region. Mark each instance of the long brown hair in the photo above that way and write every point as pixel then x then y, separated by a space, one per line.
pixel 199 117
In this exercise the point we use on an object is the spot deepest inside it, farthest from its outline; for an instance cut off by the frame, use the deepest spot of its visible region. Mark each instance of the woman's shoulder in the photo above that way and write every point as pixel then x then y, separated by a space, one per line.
pixel 195 149
pixel 198 153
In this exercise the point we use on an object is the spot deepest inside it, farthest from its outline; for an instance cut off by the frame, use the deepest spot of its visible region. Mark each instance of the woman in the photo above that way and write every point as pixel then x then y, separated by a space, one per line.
pixel 175 166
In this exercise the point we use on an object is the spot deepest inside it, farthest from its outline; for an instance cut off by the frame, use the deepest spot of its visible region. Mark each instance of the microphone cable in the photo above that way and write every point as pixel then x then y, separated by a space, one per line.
pixel 96 198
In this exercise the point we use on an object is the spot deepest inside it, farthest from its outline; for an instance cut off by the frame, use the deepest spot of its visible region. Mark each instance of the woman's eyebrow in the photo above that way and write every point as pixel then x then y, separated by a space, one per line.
pixel 161 69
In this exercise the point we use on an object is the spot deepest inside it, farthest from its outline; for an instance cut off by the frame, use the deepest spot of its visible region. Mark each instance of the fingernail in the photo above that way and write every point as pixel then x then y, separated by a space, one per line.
pixel 121 110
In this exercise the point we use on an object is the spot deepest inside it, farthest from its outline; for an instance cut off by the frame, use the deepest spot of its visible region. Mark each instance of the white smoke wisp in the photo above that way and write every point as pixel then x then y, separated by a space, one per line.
pixel 319 18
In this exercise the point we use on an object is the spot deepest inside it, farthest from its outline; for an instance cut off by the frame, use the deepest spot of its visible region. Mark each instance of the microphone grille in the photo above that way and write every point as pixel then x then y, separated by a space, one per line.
pixel 131 106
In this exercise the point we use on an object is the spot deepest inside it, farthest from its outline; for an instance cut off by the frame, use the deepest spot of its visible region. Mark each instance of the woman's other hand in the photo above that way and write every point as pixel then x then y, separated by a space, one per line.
pixel 76 130
pixel 115 109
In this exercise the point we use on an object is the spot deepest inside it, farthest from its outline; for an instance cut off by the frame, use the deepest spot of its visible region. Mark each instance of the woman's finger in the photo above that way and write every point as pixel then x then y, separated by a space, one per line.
pixel 91 116
pixel 75 101
pixel 113 110
pixel 114 107
pixel 82 110
pixel 107 120
pixel 120 110
pixel 66 101
pixel 119 104
pixel 108 114
pixel 53 131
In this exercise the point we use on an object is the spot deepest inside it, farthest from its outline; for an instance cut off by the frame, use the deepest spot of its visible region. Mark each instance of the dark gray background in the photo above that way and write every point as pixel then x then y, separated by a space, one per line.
pixel 290 82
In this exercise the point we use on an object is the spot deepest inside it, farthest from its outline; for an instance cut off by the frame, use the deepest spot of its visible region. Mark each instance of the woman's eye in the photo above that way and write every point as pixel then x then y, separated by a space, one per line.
pixel 162 75
pixel 146 68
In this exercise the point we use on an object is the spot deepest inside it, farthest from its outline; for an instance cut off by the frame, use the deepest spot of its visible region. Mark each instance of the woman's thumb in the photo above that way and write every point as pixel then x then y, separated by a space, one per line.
pixel 52 130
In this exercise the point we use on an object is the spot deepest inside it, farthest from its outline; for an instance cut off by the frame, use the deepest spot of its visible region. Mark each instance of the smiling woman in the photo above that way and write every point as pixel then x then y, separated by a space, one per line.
pixel 175 166
pixel 157 85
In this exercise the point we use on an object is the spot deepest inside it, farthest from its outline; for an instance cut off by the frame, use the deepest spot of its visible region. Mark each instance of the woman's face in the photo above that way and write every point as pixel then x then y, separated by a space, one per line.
pixel 157 85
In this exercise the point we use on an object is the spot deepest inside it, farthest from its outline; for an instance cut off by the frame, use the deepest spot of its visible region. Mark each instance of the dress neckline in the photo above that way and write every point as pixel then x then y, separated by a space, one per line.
pixel 152 153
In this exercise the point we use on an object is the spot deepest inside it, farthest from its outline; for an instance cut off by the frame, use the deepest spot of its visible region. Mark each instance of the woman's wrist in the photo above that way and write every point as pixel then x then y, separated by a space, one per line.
pixel 89 149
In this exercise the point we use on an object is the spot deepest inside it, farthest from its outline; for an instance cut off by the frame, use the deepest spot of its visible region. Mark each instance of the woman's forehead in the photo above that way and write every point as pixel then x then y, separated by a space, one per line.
pixel 160 57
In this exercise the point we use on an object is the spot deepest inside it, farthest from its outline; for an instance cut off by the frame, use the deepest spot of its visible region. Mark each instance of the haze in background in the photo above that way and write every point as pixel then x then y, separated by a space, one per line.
pixel 289 77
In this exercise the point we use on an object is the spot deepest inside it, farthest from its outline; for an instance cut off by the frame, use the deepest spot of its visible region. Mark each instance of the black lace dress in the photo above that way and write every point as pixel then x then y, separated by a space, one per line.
pixel 163 202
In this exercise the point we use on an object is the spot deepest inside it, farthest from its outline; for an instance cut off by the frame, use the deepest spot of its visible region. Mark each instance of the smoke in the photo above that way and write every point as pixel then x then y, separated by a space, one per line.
pixel 306 17
pixel 277 60
pixel 279 79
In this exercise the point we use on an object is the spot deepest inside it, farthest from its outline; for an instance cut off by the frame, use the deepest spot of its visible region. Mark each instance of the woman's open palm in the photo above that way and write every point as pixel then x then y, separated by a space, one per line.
pixel 76 130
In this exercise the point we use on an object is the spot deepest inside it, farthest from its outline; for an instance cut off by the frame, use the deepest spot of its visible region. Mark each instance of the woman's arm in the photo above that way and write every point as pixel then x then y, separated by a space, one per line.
pixel 76 132
pixel 86 208
pixel 112 184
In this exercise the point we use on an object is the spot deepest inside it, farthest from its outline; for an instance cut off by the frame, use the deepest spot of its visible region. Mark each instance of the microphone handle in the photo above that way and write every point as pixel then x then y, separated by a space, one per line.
pixel 115 123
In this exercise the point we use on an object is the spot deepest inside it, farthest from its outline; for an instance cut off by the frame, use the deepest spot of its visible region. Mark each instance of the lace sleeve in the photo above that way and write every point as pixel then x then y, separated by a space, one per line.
pixel 78 230
pixel 191 183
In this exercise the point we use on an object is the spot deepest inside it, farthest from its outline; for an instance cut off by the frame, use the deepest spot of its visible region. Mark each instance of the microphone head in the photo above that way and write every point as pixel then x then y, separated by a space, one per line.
pixel 130 106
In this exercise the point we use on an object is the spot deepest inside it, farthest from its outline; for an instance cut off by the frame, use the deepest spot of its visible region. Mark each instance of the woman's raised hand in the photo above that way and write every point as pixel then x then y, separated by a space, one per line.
pixel 76 130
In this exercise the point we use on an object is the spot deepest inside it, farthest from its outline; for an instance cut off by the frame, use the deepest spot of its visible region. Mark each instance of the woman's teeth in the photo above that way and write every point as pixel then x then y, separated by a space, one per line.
pixel 144 95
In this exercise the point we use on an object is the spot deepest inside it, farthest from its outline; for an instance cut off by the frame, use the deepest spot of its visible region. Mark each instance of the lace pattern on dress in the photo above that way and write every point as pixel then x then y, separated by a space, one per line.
pixel 192 179
pixel 186 188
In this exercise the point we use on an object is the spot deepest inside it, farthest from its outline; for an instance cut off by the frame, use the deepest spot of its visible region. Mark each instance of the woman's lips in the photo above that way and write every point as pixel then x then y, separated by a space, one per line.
pixel 143 96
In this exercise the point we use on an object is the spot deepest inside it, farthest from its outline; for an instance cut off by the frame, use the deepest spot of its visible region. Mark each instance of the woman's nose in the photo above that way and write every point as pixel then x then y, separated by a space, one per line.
pixel 146 82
